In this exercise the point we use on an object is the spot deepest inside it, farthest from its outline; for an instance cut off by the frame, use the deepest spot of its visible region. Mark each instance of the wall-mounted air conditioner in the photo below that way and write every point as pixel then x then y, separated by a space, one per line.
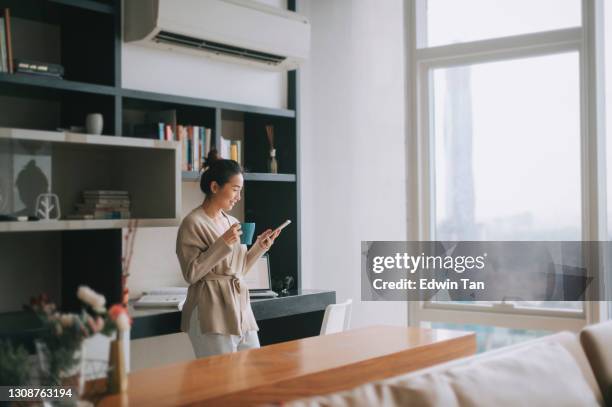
pixel 232 30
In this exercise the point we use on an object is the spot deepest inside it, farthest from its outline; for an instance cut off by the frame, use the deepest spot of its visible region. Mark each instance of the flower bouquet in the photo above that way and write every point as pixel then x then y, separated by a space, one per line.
pixel 60 347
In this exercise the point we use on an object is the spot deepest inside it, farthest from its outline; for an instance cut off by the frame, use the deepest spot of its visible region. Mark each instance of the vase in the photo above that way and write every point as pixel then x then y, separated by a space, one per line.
pixel 61 367
pixel 272 163
pixel 117 376
pixel 94 122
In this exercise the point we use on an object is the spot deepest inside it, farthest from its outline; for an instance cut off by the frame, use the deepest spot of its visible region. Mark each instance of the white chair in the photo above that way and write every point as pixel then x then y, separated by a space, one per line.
pixel 337 318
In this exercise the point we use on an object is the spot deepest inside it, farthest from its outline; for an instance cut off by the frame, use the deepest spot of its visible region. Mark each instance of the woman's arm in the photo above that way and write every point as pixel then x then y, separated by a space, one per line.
pixel 254 253
pixel 195 257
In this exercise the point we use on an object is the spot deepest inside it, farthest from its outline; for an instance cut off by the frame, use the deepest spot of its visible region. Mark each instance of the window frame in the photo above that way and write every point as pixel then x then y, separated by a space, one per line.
pixel 587 41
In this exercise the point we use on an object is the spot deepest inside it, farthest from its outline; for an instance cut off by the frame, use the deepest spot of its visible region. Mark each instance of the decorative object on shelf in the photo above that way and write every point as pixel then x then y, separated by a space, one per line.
pixel 283 285
pixel 60 348
pixel 272 163
pixel 94 122
pixel 48 206
pixel 39 68
pixel 6 42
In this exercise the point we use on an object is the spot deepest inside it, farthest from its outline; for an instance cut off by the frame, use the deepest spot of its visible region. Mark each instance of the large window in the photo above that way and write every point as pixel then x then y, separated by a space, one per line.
pixel 445 22
pixel 508 169
pixel 506 104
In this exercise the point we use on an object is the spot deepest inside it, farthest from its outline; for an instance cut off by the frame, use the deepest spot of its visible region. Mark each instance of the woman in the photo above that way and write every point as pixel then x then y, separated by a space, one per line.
pixel 217 313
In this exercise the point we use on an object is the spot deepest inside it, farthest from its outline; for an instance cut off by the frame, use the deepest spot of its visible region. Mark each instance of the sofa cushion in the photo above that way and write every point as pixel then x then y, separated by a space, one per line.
pixel 597 344
pixel 422 391
pixel 538 375
pixel 541 373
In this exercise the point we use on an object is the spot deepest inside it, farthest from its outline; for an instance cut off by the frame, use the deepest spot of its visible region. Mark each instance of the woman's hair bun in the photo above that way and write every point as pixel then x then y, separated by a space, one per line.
pixel 213 155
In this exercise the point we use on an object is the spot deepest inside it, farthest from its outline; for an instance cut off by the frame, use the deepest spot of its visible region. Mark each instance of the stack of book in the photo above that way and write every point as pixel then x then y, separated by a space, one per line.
pixel 103 204
pixel 231 149
pixel 195 145
pixel 6 46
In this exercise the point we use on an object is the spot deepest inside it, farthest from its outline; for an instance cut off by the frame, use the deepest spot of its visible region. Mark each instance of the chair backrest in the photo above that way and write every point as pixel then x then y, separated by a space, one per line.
pixel 337 317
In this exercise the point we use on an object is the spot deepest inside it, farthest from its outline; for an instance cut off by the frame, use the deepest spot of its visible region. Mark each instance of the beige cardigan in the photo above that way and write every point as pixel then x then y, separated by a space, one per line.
pixel 213 270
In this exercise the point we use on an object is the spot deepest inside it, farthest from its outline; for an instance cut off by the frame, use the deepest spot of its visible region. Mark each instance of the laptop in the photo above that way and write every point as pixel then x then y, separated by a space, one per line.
pixel 258 279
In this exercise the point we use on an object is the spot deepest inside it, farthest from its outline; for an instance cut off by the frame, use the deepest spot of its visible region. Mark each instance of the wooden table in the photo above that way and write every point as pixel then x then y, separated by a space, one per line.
pixel 295 369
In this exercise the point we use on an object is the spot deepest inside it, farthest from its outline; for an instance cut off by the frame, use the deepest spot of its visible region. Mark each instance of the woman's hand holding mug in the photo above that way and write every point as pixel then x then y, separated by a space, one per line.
pixel 232 235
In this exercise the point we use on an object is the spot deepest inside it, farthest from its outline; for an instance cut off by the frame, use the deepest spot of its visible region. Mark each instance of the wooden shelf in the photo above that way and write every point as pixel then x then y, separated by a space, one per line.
pixel 185 100
pixel 83 138
pixel 90 5
pixel 58 225
pixel 194 176
pixel 78 162
pixel 257 176
pixel 54 83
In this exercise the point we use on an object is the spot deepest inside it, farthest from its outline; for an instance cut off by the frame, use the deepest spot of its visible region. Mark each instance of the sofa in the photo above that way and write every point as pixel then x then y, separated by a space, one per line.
pixel 564 369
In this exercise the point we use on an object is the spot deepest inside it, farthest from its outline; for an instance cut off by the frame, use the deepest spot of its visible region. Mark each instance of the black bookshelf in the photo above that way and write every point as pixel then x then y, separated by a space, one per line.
pixel 84 36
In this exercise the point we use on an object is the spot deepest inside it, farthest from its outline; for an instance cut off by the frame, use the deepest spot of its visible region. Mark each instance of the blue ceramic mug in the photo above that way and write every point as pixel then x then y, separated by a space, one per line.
pixel 248 230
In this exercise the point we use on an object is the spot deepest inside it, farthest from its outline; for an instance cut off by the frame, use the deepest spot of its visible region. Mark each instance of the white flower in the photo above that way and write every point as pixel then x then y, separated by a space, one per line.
pixel 123 322
pixel 66 320
pixel 92 298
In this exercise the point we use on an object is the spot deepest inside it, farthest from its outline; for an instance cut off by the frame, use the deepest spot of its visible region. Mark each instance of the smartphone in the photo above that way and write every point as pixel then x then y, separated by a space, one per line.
pixel 281 227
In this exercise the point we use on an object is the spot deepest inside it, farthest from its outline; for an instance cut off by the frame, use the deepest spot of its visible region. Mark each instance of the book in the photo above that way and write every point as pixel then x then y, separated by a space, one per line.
pixel 204 151
pixel 38 68
pixel 80 216
pixel 107 214
pixel 96 205
pixel 3 55
pixel 196 147
pixel 236 151
pixel 106 192
pixel 9 44
pixel 208 139
pixel 189 151
pixel 168 133
pixel 184 149
pixel 225 148
pixel 163 118
pixel 105 202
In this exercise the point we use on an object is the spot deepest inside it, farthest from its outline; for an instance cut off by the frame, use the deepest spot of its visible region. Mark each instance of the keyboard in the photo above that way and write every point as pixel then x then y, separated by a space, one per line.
pixel 160 300
pixel 262 294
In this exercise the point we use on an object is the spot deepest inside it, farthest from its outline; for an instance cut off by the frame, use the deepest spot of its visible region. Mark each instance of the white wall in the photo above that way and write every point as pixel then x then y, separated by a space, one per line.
pixel 154 262
pixel 353 169
pixel 353 176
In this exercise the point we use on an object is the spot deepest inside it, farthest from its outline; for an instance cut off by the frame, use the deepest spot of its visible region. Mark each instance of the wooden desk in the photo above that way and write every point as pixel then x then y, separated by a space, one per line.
pixel 295 369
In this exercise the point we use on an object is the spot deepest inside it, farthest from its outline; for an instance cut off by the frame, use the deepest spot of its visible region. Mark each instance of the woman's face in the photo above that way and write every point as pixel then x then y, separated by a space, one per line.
pixel 225 197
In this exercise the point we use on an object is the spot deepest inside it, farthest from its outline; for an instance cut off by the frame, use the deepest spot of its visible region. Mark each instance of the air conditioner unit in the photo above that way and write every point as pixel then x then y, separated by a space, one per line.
pixel 232 30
